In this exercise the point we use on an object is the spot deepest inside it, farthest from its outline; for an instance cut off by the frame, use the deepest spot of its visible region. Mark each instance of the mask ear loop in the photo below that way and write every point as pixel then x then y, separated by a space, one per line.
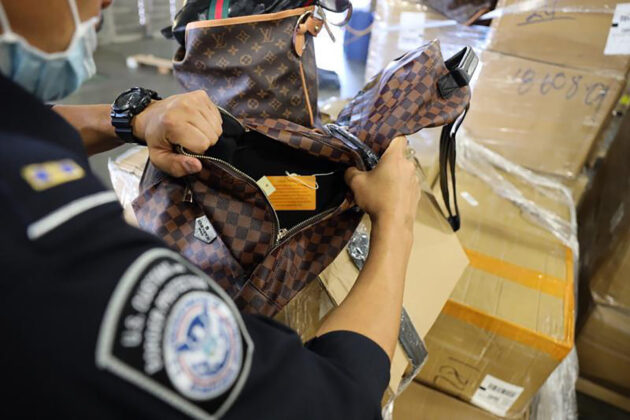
pixel 4 21
pixel 75 15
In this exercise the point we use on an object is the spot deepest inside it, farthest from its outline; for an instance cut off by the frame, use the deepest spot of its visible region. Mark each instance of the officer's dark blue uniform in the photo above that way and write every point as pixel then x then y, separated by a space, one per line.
pixel 100 320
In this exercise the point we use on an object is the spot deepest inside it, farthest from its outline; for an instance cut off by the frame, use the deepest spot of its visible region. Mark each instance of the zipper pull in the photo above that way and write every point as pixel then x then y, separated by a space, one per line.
pixel 281 234
pixel 188 197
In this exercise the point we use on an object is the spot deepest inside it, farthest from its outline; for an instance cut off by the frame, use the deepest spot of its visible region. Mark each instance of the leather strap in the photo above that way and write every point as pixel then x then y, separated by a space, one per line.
pixel 448 154
pixel 307 23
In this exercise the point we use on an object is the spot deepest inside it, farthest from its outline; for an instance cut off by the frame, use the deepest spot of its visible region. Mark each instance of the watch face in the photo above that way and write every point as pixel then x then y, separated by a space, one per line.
pixel 126 101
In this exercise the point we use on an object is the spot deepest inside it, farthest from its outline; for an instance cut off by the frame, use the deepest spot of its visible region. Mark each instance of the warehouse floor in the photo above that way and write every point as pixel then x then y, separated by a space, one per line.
pixel 114 77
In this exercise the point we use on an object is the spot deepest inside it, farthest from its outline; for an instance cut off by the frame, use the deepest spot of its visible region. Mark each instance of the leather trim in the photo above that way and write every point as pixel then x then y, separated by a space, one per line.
pixel 248 19
pixel 307 23
pixel 307 98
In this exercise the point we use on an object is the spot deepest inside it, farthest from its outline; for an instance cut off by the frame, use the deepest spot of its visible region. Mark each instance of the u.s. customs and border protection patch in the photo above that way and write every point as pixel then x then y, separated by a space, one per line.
pixel 173 332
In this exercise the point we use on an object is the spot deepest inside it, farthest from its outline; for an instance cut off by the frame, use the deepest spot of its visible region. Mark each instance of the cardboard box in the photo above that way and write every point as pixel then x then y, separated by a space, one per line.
pixel 603 346
pixel 604 213
pixel 403 25
pixel 436 263
pixel 570 33
pixel 125 172
pixel 601 393
pixel 611 283
pixel 541 116
pixel 419 402
pixel 579 186
pixel 509 321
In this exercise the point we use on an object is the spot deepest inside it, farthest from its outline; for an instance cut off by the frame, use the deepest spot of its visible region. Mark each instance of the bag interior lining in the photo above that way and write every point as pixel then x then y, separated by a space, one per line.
pixel 257 155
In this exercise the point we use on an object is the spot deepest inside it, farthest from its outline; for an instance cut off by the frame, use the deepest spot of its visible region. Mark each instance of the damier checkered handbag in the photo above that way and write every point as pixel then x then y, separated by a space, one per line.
pixel 227 223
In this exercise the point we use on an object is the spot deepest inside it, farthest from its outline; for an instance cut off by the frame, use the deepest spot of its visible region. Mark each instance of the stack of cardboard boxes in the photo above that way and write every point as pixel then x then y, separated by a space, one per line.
pixel 547 87
pixel 509 320
pixel 551 77
pixel 603 341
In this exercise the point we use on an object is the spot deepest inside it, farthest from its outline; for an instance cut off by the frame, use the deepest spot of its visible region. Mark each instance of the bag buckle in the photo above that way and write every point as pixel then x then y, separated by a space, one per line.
pixel 461 68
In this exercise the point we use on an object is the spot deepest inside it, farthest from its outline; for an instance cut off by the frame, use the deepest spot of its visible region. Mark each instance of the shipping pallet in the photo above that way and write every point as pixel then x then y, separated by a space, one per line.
pixel 163 65
pixel 599 392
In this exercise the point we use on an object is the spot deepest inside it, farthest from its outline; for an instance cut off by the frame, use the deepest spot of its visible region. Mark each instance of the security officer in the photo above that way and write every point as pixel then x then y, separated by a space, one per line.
pixel 100 320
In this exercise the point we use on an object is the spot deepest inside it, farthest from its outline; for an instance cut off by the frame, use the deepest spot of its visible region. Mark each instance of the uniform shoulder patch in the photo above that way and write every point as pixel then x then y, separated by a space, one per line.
pixel 172 331
pixel 45 175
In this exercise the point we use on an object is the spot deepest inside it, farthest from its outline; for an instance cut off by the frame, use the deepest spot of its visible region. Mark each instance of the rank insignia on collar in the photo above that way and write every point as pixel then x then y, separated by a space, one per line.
pixel 45 175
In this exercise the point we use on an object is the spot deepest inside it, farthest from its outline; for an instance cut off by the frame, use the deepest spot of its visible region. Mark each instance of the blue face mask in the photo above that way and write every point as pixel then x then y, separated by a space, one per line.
pixel 49 76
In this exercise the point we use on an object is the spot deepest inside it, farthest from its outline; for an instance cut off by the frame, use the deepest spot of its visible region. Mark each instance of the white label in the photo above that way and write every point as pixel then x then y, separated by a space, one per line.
pixel 204 230
pixel 495 395
pixel 266 186
pixel 468 197
pixel 411 30
pixel 618 42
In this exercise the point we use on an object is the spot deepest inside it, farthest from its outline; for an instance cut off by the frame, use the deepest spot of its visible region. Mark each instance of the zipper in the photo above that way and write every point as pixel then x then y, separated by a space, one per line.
pixel 280 235
pixel 285 234
pixel 229 114
pixel 275 221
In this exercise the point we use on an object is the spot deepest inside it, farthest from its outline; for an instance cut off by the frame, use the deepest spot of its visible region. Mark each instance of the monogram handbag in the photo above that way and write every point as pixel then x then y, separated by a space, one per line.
pixel 255 66
pixel 229 221
pixel 463 11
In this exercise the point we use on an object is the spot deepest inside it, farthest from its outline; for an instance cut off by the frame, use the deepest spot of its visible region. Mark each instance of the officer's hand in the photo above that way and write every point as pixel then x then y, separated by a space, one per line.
pixel 189 119
pixel 391 191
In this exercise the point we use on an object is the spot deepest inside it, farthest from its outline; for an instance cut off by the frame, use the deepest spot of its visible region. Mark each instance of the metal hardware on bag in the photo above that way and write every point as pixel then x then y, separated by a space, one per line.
pixel 281 234
pixel 188 196
pixel 302 28
pixel 463 65
pixel 461 68
pixel 367 155
pixel 345 20
pixel 285 234
pixel 320 14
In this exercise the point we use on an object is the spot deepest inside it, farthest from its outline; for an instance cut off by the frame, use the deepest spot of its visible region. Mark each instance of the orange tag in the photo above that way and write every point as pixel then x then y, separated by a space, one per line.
pixel 292 194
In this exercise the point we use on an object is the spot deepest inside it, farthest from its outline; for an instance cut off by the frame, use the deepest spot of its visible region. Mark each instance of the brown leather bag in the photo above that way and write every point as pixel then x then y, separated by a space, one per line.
pixel 255 66
pixel 222 221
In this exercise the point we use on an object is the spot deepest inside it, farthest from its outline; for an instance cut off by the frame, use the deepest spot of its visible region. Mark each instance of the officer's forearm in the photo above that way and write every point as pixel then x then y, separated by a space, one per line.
pixel 374 304
pixel 93 123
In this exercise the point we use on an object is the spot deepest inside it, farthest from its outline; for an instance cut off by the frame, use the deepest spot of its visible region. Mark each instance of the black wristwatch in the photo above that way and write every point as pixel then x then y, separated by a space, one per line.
pixel 129 104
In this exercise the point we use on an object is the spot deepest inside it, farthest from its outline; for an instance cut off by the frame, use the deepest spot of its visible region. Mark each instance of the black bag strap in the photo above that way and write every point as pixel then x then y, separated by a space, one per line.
pixel 448 154
pixel 461 68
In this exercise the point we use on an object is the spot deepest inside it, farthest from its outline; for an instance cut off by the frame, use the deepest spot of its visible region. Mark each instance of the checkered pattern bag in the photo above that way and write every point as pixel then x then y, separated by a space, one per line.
pixel 259 265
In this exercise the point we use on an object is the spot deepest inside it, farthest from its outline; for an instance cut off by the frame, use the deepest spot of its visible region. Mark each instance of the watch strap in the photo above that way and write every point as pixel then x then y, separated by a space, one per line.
pixel 121 120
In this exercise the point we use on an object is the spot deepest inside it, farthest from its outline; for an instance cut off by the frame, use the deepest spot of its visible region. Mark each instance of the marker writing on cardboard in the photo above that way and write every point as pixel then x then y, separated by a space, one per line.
pixel 458 377
pixel 572 85
pixel 546 14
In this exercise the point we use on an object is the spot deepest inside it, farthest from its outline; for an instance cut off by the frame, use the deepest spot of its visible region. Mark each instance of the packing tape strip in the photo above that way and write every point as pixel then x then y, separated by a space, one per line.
pixel 530 278
pixel 557 349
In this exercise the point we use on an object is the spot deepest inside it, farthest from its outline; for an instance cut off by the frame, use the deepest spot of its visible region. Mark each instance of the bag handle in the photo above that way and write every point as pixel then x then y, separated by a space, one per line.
pixel 448 155
pixel 307 23
pixel 461 68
